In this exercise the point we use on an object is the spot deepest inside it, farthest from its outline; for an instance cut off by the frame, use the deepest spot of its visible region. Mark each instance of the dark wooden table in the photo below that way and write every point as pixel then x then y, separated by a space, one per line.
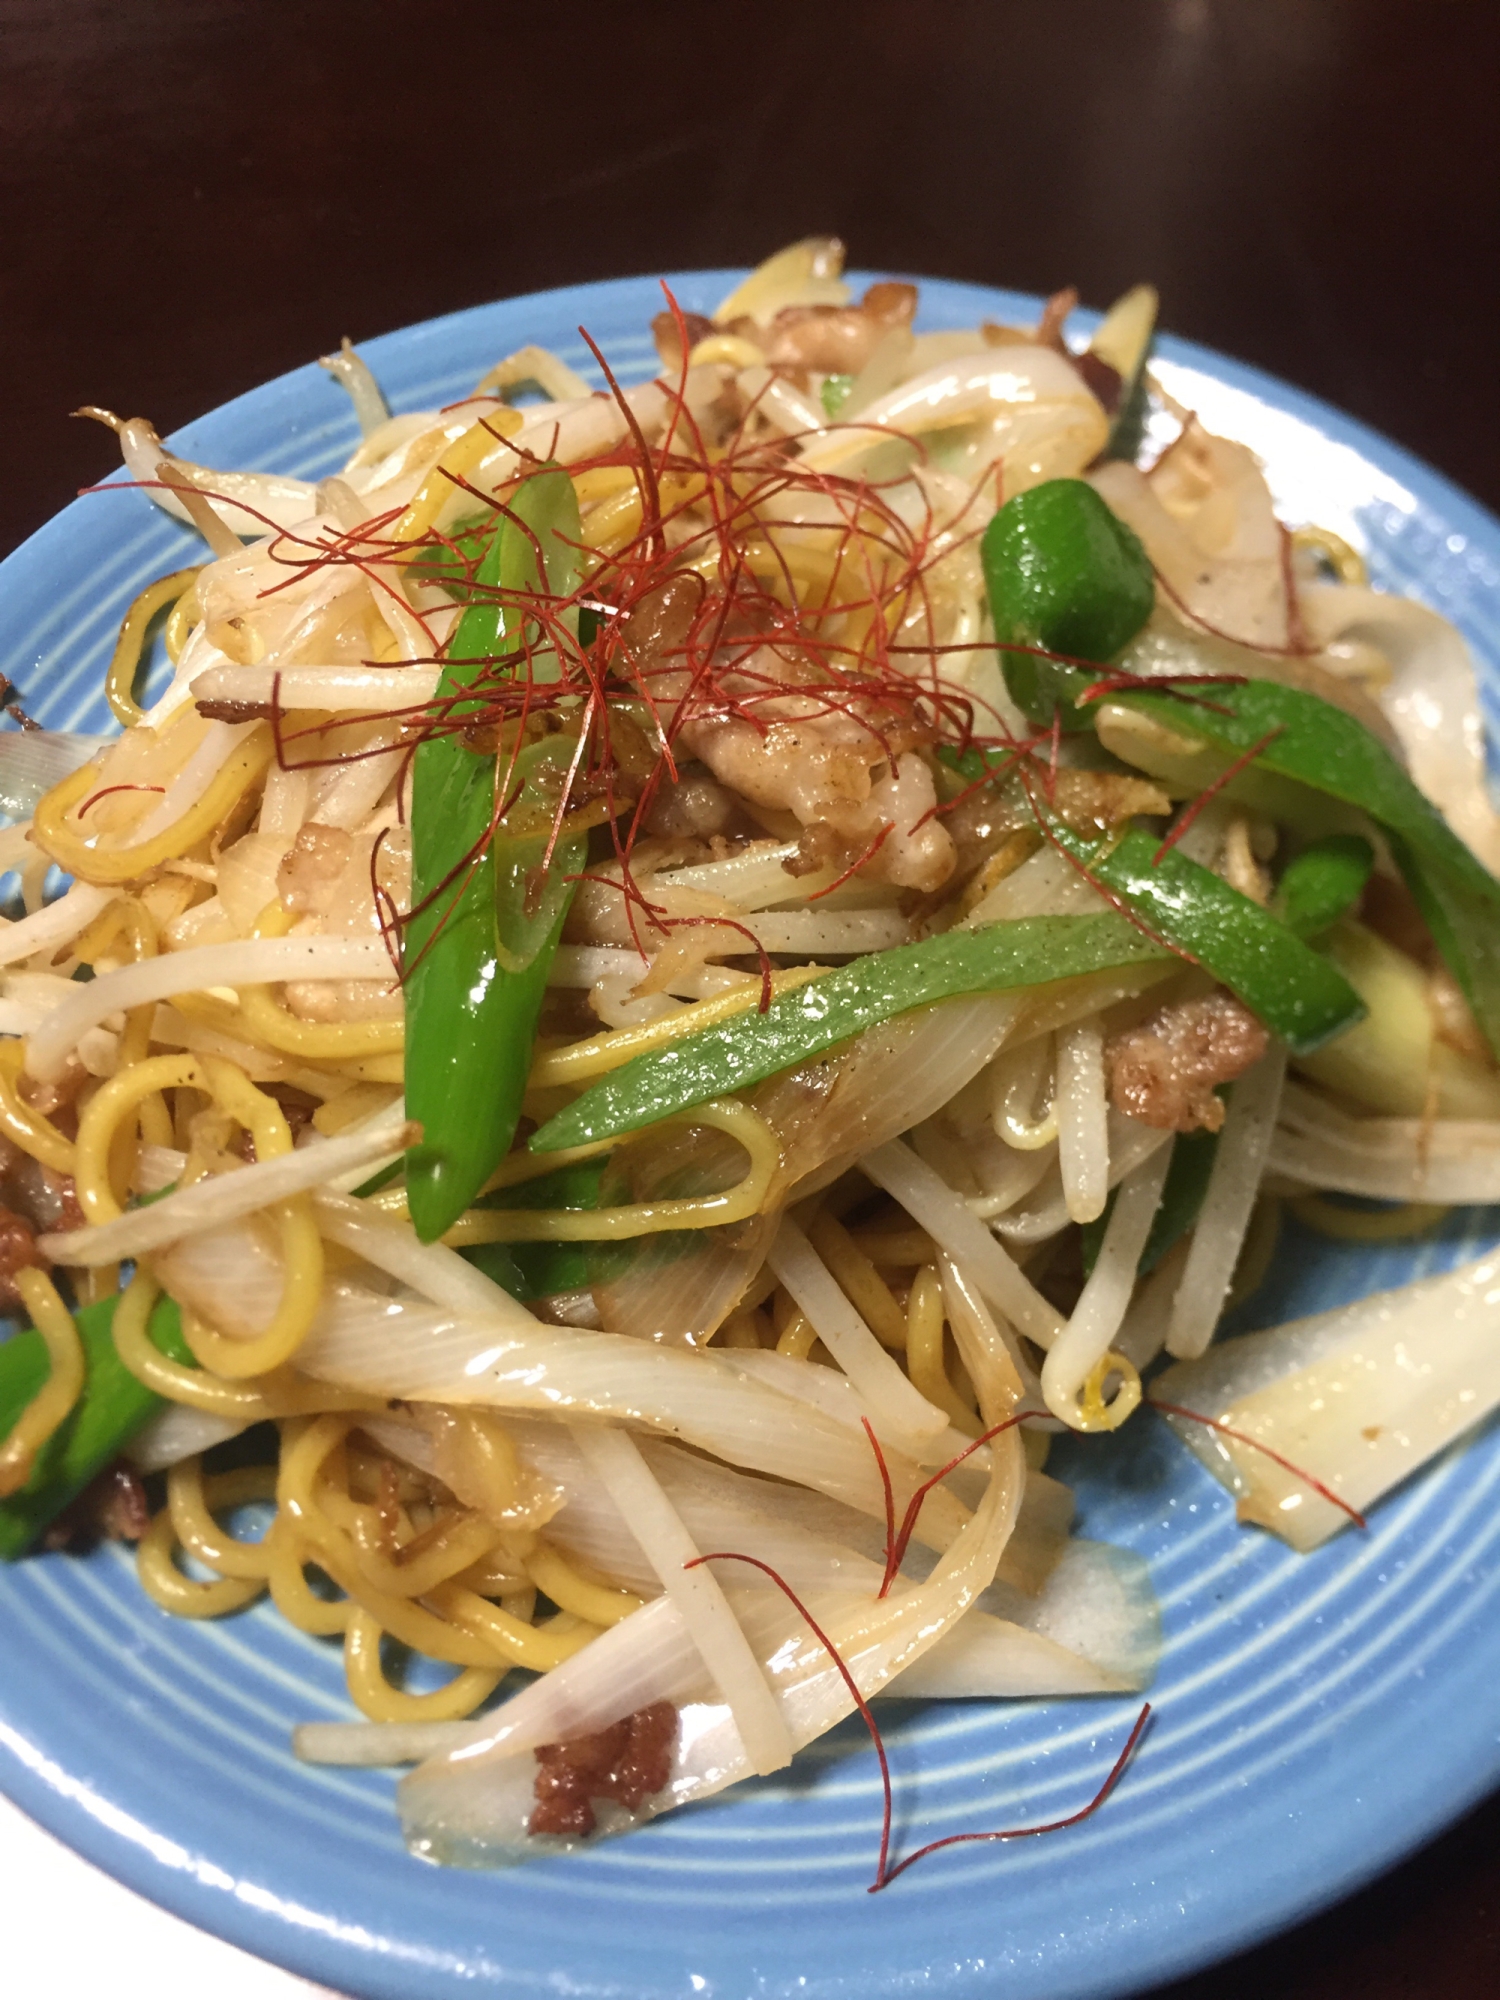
pixel 197 194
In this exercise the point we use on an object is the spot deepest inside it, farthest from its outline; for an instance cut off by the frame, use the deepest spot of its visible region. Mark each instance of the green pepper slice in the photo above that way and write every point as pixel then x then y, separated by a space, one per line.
pixel 477 953
pixel 107 1415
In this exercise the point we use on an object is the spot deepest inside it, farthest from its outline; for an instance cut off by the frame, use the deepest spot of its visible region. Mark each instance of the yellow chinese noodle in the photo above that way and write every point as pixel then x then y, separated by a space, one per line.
pixel 62 1388
pixel 112 1103
pixel 798 1337
pixel 319 1540
pixel 605 1052
pixel 288 1556
pixel 642 1218
pixel 153 1120
pixel 924 1350
pixel 21 1122
pixel 181 619
pixel 539 1647
pixel 599 1603
pixel 301 1245
pixel 859 1280
pixel 266 1021
pixel 457 462
pixel 375 1697
pixel 192 1501
pixel 1347 564
pixel 125 661
pixel 244 766
pixel 281 1394
pixel 165 1584
pixel 454 1545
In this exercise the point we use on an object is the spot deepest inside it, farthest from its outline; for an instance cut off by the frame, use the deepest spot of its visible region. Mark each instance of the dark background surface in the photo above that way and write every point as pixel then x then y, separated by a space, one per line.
pixel 198 194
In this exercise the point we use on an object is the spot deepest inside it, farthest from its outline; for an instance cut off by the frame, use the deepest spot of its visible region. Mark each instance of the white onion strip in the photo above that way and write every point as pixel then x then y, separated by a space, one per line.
pixel 1239 1162
pixel 1385 1159
pixel 208 1204
pixel 698 1595
pixel 251 961
pixel 899 1408
pixel 432 1269
pixel 1096 1319
pixel 928 1200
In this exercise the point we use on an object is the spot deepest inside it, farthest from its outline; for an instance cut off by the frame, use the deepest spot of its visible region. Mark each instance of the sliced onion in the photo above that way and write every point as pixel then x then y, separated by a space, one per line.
pixel 1385 1159
pixel 1357 1398
pixel 1432 701
pixel 474 1804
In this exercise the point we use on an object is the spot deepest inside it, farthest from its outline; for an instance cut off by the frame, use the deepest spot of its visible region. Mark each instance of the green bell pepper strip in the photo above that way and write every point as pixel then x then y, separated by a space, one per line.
pixel 1062 572
pixel 1181 1196
pixel 539 1270
pixel 111 1409
pixel 997 958
pixel 471 1015
pixel 1298 994
pixel 1323 883
pixel 1298 736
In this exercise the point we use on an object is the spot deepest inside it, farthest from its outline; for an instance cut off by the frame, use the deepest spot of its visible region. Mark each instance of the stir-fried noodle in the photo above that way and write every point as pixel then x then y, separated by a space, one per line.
pixel 671 957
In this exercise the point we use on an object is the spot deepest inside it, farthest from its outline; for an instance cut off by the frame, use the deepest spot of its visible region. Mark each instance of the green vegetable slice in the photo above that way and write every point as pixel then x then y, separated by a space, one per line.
pixel 1064 573
pixel 1297 993
pixel 1297 735
pixel 477 955
pixel 1323 883
pixel 111 1409
pixel 1124 339
pixel 1029 951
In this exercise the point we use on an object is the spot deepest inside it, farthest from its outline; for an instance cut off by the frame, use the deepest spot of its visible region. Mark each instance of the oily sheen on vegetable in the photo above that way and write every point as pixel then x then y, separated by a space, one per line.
pixel 665 980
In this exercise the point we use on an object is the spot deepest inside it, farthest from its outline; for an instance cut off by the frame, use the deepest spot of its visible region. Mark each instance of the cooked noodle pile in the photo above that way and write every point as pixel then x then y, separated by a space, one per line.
pixel 670 957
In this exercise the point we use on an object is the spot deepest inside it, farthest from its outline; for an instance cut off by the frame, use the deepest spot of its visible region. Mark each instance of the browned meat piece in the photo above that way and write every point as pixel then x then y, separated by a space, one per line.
pixel 668 342
pixel 1049 328
pixel 18 1252
pixel 112 1507
pixel 836 340
pixel 627 1762
pixel 1163 1072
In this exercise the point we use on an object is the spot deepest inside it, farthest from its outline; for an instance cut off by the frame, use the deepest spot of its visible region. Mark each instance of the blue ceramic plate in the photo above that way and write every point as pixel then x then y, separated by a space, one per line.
pixel 1316 1717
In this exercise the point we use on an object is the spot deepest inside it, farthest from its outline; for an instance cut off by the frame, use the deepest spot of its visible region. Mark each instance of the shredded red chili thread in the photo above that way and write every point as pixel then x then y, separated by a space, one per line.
pixel 1117 1771
pixel 890 1497
pixel 1243 1437
pixel 730 1555
pixel 1186 819
pixel 885 1872
pixel 761 631
pixel 897 1545
pixel 94 797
